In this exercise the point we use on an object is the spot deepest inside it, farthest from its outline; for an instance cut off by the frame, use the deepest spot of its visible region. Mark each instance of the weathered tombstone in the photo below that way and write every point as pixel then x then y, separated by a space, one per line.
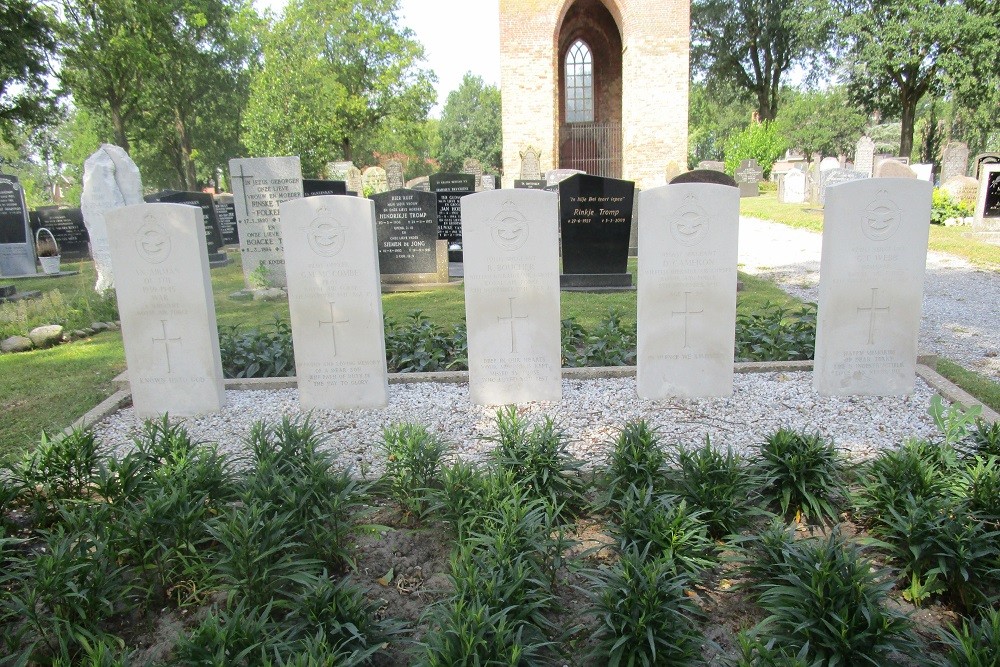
pixel 954 160
pixel 260 185
pixel 688 237
pixel 828 163
pixel 473 166
pixel 334 302
pixel 595 219
pixel 166 308
pixel 354 180
pixel 713 165
pixel 338 170
pixel 890 168
pixel 705 176
pixel 66 225
pixel 964 189
pixel 813 177
pixel 17 250
pixel 512 296
pixel 835 177
pixel 673 170
pixel 983 159
pixel 225 212
pixel 409 251
pixel 748 178
pixel 557 176
pixel 206 204
pixel 450 188
pixel 988 204
pixel 864 156
pixel 421 183
pixel 875 235
pixel 374 181
pixel 792 187
pixel 110 180
pixel 530 169
pixel 314 187
pixel 530 184
pixel 394 175
pixel 489 182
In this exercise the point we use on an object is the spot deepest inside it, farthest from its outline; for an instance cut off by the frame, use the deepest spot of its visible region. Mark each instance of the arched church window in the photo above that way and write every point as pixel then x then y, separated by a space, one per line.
pixel 579 84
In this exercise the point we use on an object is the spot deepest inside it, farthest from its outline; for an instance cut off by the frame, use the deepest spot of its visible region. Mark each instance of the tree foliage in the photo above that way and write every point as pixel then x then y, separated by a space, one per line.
pixel 752 44
pixel 713 116
pixel 759 141
pixel 26 41
pixel 338 75
pixel 470 126
pixel 901 50
pixel 820 121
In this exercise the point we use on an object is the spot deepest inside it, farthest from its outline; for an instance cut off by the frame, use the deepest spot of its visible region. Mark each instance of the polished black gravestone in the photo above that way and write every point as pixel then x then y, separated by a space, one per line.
pixel 449 189
pixel 407 231
pixel 225 213
pixel 314 187
pixel 17 250
pixel 66 225
pixel 991 205
pixel 595 220
pixel 206 202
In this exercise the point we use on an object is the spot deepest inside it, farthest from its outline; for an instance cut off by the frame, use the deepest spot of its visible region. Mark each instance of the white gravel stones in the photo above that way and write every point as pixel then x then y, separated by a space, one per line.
pixel 591 413
pixel 960 318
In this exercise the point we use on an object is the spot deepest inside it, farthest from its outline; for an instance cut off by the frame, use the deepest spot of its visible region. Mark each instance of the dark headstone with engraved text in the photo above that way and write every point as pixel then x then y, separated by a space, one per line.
pixel 530 183
pixel 595 221
pixel 406 227
pixel 225 213
pixel 748 178
pixel 206 202
pixel 66 225
pixel 17 251
pixel 450 188
pixel 314 187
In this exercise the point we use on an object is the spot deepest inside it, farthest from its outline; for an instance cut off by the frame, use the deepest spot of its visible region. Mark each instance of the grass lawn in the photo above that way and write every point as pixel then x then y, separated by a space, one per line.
pixel 943 239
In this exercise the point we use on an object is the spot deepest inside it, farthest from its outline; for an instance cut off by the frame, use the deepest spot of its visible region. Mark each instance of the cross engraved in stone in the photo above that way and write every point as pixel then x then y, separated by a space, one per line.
pixel 333 322
pixel 872 310
pixel 242 178
pixel 166 343
pixel 687 313
pixel 511 318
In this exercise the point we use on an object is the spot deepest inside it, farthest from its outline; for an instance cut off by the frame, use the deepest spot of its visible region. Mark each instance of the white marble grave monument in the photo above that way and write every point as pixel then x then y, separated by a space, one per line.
pixel 688 237
pixel 167 312
pixel 335 302
pixel 260 185
pixel 511 246
pixel 875 235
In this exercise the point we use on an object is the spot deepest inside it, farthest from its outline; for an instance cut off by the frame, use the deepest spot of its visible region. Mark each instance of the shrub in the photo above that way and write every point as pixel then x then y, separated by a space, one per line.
pixel 417 345
pixel 257 352
pixel 61 467
pixel 985 439
pixel 802 475
pixel 413 465
pixel 636 461
pixel 775 333
pixel 612 343
pixel 976 643
pixel 759 141
pixel 827 605
pixel 982 479
pixel 944 207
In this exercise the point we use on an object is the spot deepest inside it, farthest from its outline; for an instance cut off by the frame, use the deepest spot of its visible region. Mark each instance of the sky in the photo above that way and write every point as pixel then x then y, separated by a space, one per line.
pixel 458 36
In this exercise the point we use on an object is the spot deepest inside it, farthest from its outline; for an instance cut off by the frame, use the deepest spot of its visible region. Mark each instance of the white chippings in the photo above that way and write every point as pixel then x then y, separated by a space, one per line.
pixel 591 413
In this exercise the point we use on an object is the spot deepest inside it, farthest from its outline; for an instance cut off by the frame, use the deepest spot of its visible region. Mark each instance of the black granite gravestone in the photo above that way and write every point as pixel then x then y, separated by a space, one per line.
pixel 406 226
pixel 530 183
pixel 225 213
pixel 991 207
pixel 17 250
pixel 314 187
pixel 450 188
pixel 206 202
pixel 66 225
pixel 595 220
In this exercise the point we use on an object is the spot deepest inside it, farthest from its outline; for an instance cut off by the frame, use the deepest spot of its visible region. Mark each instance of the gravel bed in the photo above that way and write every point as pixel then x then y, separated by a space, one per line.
pixel 590 413
pixel 960 317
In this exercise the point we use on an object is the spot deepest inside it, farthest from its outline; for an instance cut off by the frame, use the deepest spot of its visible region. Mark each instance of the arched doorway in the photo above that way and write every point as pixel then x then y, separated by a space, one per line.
pixel 590 90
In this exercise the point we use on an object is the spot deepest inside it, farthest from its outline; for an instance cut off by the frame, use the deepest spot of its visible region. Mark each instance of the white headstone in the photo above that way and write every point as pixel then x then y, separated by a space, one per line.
pixel 864 156
pixel 875 235
pixel 924 171
pixel 260 185
pixel 556 176
pixel 511 259
pixel 166 307
pixel 829 163
pixel 335 302
pixel 688 236
pixel 793 186
pixel 110 180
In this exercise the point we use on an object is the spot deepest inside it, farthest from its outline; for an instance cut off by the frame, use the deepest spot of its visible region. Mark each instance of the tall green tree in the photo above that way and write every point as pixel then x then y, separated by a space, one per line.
pixel 821 120
pixel 27 41
pixel 901 50
pixel 336 72
pixel 751 45
pixel 470 125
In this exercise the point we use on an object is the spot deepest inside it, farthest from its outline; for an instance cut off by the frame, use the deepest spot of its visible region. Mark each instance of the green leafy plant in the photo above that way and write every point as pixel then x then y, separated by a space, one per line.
pixel 612 343
pixel 976 643
pixel 722 486
pixel 776 333
pixel 573 338
pixel 644 616
pixel 981 477
pixel 413 465
pixel 760 141
pixel 985 439
pixel 802 475
pixel 636 461
pixel 257 352
pixel 954 420
pixel 61 467
pixel 417 345
pixel 260 277
pixel 828 605
pixel 943 207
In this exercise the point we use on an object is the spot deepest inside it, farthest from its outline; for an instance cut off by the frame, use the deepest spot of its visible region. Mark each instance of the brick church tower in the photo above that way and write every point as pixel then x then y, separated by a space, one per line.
pixel 597 85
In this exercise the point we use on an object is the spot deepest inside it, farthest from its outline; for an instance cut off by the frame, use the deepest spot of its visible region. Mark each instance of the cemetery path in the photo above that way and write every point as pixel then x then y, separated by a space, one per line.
pixel 960 318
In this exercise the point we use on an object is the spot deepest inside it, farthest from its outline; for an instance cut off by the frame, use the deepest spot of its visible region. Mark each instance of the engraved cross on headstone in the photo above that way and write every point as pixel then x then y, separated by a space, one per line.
pixel 511 318
pixel 333 322
pixel 872 310
pixel 687 313
pixel 166 343
pixel 242 178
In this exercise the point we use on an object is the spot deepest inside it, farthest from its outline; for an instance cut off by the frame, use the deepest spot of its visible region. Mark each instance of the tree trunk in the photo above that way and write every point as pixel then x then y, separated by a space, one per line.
pixel 909 105
pixel 118 124
pixel 187 163
pixel 345 145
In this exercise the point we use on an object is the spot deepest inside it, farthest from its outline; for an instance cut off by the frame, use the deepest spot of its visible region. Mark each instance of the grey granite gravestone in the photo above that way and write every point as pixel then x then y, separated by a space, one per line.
pixel 835 177
pixel 748 178
pixel 394 175
pixel 473 166
pixel 66 224
pixel 954 160
pixel 17 250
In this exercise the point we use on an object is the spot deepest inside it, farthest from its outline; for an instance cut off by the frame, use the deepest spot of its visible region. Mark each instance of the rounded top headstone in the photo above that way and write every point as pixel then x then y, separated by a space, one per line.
pixel 704 176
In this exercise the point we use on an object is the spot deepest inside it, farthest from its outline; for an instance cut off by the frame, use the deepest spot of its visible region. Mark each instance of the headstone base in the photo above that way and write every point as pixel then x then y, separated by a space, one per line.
pixel 596 282
pixel 455 256
pixel 19 296
pixel 217 260
pixel 40 274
